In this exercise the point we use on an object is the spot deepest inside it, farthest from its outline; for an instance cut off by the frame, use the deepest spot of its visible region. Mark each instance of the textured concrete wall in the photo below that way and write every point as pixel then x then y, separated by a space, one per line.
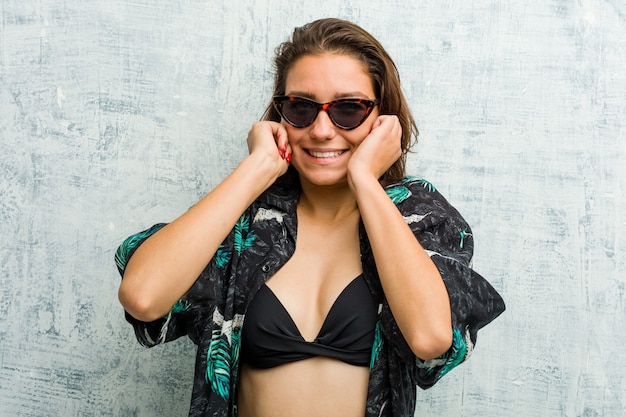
pixel 116 114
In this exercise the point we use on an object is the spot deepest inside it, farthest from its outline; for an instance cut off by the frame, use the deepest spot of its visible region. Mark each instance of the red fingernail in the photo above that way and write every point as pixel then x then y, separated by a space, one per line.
pixel 288 158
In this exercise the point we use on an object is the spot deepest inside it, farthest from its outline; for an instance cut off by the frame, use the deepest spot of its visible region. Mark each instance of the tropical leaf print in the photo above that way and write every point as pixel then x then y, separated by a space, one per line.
pixel 223 353
pixel 243 239
pixel 426 184
pixel 464 233
pixel 459 351
pixel 218 364
pixel 180 306
pixel 398 194
pixel 222 257
pixel 130 244
pixel 378 344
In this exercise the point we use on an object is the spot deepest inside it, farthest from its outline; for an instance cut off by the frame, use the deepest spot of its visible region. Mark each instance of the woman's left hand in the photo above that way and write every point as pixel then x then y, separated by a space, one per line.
pixel 378 151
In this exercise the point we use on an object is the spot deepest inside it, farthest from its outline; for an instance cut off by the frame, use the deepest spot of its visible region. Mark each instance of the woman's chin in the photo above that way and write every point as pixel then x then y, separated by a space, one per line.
pixel 325 180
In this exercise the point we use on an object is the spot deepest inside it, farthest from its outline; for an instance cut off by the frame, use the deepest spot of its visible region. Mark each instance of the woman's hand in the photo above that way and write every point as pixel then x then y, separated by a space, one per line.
pixel 378 151
pixel 268 144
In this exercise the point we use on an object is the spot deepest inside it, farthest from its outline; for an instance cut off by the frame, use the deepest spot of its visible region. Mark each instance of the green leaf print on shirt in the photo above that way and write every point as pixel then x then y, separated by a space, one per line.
pixel 398 194
pixel 218 364
pixel 243 239
pixel 426 184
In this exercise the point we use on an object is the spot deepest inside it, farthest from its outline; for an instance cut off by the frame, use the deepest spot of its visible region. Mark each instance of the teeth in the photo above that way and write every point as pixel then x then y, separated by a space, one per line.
pixel 325 154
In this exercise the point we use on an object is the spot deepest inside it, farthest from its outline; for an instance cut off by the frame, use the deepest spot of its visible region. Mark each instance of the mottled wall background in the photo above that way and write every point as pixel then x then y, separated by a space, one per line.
pixel 116 114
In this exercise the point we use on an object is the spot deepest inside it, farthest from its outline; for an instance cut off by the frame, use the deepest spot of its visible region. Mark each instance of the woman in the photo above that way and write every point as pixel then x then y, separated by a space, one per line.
pixel 377 296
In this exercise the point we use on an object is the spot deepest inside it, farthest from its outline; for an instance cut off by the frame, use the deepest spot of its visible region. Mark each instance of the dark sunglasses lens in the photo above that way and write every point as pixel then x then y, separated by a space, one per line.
pixel 299 112
pixel 348 114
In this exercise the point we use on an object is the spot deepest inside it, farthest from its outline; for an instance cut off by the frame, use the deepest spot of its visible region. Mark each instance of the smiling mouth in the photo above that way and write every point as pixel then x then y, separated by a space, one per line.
pixel 329 154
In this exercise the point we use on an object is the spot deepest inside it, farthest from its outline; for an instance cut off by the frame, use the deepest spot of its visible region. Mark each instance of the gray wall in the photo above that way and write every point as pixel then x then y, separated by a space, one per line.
pixel 115 115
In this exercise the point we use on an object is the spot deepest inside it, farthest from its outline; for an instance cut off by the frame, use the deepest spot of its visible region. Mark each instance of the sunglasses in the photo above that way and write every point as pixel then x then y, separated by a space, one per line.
pixel 345 113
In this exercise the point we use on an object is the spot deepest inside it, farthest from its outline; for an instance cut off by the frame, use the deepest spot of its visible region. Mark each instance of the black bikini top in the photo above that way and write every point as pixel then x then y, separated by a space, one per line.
pixel 270 337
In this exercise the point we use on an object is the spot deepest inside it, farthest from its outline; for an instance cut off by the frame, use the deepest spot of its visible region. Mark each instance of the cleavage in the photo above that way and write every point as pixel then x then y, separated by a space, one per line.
pixel 329 313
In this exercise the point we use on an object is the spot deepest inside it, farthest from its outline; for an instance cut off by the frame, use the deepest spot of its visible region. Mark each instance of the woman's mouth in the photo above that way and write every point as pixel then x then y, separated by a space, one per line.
pixel 324 154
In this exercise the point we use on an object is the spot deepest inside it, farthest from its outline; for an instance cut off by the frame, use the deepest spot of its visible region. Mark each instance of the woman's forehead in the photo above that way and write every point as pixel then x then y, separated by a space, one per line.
pixel 329 76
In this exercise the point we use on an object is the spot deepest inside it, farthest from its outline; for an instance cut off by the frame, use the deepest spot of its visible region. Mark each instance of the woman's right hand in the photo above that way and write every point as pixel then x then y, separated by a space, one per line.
pixel 268 142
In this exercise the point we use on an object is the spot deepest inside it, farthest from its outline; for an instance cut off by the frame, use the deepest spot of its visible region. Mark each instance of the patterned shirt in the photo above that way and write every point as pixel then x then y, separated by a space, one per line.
pixel 211 314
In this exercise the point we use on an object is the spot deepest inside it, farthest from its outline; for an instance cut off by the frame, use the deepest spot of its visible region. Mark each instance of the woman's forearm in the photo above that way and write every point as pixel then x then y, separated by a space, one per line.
pixel 412 283
pixel 167 264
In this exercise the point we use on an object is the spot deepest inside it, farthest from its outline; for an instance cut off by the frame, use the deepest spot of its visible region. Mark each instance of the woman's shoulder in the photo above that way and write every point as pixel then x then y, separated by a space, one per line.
pixel 416 196
pixel 412 189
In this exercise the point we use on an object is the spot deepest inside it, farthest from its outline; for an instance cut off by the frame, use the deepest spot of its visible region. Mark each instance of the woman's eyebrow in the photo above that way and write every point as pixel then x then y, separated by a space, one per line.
pixel 347 94
pixel 301 94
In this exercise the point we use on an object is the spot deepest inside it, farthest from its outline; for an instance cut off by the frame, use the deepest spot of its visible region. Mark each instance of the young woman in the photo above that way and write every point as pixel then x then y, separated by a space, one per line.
pixel 317 279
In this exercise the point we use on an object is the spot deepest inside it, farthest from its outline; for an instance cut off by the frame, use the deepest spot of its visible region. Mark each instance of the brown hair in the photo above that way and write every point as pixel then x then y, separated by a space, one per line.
pixel 342 37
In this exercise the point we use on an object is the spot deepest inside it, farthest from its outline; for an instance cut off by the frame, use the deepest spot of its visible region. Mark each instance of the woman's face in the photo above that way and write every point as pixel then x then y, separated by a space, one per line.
pixel 321 151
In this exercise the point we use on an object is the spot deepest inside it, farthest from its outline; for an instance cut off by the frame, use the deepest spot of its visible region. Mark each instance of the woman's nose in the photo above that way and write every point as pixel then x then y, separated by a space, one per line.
pixel 323 128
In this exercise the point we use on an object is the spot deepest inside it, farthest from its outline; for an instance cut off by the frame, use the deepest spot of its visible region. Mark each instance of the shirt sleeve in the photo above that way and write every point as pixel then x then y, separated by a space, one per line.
pixel 188 314
pixel 447 239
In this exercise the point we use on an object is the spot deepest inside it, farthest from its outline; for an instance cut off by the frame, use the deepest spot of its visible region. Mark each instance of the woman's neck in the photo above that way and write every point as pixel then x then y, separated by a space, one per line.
pixel 328 203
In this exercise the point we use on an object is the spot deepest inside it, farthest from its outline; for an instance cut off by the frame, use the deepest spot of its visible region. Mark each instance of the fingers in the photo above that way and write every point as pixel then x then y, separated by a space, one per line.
pixel 391 124
pixel 380 149
pixel 387 133
pixel 282 143
pixel 271 138
pixel 377 122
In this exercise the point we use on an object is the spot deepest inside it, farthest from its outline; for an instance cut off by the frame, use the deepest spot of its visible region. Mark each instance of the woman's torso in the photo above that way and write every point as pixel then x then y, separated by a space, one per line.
pixel 325 262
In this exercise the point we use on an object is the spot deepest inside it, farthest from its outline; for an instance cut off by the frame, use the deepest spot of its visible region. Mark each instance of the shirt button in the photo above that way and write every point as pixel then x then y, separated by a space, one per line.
pixel 265 268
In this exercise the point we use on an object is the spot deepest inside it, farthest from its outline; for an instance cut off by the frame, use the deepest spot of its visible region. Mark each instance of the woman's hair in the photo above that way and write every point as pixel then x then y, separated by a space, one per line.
pixel 342 37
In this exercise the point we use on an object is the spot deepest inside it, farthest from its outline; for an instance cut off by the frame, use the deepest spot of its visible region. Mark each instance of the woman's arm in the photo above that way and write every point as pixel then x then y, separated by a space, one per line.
pixel 166 265
pixel 411 282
